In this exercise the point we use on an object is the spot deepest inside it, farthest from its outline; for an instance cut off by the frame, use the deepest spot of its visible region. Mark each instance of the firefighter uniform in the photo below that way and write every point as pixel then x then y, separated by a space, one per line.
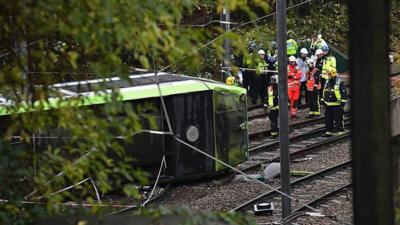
pixel 313 87
pixel 273 106
pixel 294 75
pixel 327 64
pixel 334 98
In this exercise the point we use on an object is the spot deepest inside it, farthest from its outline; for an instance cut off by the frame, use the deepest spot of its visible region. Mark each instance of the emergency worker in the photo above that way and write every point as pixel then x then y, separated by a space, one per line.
pixel 294 75
pixel 313 87
pixel 249 63
pixel 261 78
pixel 317 42
pixel 291 46
pixel 319 64
pixel 273 105
pixel 303 67
pixel 272 60
pixel 334 99
pixel 329 63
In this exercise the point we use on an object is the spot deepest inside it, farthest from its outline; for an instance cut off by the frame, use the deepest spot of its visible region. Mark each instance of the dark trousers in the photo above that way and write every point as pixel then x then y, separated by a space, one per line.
pixel 247 79
pixel 261 83
pixel 273 116
pixel 334 119
pixel 313 102
pixel 303 89
pixel 321 91
pixel 252 90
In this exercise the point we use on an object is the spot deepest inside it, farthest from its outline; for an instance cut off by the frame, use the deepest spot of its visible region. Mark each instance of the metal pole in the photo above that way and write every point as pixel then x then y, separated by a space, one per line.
pixel 283 105
pixel 370 109
pixel 226 16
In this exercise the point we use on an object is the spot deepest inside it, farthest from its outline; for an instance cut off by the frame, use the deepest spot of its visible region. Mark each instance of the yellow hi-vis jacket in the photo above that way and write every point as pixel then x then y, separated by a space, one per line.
pixel 329 64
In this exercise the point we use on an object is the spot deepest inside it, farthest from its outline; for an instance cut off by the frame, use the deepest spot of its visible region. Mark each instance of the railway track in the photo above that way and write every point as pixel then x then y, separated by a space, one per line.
pixel 263 114
pixel 311 189
pixel 304 140
pixel 300 145
pixel 295 125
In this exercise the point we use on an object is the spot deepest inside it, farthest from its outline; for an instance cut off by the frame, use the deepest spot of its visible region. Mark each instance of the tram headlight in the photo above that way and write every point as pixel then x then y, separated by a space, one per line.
pixel 192 134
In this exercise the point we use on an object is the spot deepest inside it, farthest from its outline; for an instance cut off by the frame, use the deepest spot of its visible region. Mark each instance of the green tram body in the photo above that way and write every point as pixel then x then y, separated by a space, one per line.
pixel 207 114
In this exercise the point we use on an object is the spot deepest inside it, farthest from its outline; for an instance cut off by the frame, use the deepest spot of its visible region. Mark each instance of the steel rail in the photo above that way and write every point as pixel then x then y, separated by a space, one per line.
pixel 324 197
pixel 268 145
pixel 303 151
pixel 272 194
pixel 296 124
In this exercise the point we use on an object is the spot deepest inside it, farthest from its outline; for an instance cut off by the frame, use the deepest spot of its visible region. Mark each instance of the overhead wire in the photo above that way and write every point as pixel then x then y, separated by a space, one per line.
pixel 18 49
pixel 229 31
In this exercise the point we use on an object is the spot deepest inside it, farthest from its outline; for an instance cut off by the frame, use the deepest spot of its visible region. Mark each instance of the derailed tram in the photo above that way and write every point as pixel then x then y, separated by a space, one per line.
pixel 206 114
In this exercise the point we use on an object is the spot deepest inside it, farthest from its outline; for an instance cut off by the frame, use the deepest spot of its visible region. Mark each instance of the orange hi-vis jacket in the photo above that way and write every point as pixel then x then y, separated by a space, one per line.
pixel 313 79
pixel 294 75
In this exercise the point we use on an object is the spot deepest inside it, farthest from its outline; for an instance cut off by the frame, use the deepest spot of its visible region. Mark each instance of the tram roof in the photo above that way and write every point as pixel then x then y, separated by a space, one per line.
pixel 133 87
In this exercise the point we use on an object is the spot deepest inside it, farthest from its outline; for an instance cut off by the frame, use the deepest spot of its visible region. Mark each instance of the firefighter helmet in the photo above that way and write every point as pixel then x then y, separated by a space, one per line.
pixel 292 59
pixel 333 72
pixel 230 80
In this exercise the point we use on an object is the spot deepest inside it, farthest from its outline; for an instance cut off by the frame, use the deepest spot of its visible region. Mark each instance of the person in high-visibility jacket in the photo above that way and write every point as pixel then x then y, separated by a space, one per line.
pixel 261 78
pixel 334 98
pixel 316 42
pixel 249 63
pixel 272 60
pixel 313 86
pixel 329 63
pixel 273 105
pixel 291 46
pixel 319 64
pixel 294 75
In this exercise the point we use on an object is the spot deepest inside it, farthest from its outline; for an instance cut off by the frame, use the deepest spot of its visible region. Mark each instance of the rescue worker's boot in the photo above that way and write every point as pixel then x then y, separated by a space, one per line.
pixel 328 134
pixel 310 115
pixel 274 135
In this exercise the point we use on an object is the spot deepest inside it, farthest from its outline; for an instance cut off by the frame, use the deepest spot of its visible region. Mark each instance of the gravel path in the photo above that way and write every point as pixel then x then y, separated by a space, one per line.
pixel 214 196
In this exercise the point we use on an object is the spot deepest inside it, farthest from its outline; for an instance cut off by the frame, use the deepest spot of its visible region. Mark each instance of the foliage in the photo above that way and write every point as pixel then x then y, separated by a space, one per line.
pixel 45 42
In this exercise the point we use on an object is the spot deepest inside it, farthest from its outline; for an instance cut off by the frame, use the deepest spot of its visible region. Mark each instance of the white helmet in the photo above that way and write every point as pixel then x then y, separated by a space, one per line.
pixel 261 52
pixel 319 52
pixel 275 77
pixel 292 59
pixel 311 62
pixel 304 51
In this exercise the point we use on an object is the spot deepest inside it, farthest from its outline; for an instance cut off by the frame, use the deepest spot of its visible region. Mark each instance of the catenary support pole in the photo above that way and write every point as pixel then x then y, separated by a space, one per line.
pixel 283 105
pixel 371 151
pixel 226 16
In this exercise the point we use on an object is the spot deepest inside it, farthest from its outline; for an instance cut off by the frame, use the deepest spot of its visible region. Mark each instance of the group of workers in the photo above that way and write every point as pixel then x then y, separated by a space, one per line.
pixel 313 73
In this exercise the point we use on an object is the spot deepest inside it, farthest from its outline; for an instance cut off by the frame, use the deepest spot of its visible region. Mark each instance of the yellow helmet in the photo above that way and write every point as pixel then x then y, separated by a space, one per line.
pixel 333 72
pixel 230 80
